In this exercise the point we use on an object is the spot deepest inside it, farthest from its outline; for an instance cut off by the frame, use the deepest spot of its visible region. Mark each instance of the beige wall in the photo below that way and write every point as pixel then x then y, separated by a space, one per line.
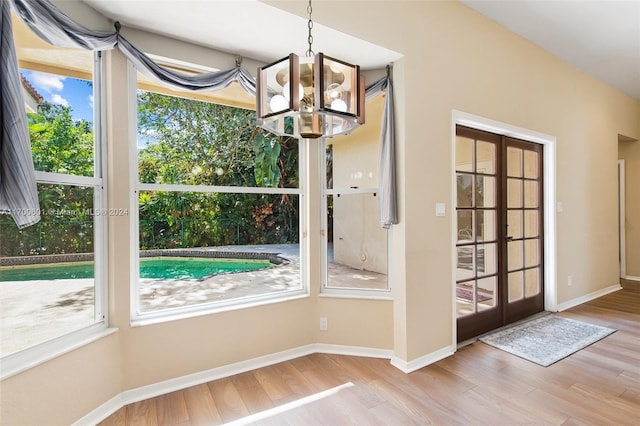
pixel 629 151
pixel 62 390
pixel 453 59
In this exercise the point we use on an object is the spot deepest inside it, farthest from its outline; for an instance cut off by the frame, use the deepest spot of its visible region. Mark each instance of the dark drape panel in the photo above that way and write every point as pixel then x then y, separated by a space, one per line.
pixel 18 191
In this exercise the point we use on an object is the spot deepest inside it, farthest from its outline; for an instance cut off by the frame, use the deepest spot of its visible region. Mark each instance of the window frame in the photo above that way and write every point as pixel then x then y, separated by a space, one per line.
pixel 21 360
pixel 139 318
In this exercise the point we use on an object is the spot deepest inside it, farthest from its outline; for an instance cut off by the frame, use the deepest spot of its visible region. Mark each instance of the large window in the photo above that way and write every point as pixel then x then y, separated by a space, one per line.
pixel 355 244
pixel 219 207
pixel 51 280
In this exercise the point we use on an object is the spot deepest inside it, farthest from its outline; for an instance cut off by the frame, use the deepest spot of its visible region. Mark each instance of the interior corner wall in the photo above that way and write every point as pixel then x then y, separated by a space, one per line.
pixel 456 59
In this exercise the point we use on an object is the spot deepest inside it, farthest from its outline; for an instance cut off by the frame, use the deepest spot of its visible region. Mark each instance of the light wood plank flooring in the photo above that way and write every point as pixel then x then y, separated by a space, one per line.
pixel 479 385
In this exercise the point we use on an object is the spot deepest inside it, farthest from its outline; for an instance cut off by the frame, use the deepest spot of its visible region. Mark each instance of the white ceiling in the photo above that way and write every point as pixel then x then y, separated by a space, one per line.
pixel 599 37
pixel 266 33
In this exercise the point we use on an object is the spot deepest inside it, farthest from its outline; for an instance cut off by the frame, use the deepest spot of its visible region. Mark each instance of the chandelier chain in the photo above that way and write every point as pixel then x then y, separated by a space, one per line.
pixel 310 26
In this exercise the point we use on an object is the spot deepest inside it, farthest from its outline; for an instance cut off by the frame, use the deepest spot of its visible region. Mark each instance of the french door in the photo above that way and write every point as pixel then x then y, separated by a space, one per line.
pixel 499 268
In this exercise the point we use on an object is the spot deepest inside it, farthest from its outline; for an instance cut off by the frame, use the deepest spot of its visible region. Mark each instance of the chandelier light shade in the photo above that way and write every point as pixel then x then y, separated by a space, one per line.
pixel 310 97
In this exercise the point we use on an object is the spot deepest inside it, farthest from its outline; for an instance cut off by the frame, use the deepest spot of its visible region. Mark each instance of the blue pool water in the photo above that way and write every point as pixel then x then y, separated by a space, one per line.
pixel 176 268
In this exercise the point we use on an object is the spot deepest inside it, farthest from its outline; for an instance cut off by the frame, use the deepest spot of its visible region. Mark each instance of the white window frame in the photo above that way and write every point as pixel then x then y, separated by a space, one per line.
pixel 139 318
pixel 325 289
pixel 32 356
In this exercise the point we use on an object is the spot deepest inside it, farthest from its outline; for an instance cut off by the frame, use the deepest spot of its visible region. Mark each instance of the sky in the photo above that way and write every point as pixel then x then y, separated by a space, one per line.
pixel 68 91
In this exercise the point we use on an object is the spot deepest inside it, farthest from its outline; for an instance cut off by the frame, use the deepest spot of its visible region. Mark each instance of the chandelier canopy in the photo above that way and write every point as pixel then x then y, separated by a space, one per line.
pixel 310 97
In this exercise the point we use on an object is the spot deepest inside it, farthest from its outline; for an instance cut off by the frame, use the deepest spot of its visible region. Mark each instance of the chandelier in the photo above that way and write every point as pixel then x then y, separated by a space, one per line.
pixel 310 97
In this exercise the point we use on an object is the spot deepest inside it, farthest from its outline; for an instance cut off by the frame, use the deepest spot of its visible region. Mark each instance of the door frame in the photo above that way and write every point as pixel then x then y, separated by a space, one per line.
pixel 622 249
pixel 549 188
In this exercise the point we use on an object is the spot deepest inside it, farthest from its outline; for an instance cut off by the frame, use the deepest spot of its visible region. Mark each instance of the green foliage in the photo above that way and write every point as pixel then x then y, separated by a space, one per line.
pixel 267 152
pixel 58 143
pixel 186 142
pixel 197 143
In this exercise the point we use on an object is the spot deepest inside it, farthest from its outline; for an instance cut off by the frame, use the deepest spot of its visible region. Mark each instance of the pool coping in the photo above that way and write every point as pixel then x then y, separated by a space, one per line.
pixel 202 252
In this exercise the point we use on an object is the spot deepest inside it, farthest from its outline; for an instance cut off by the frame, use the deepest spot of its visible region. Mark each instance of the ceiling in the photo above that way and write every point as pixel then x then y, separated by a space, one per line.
pixel 602 37
pixel 274 33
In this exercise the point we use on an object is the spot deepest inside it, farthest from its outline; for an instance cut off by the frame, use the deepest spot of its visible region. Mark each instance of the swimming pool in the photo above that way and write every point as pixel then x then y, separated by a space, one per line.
pixel 175 268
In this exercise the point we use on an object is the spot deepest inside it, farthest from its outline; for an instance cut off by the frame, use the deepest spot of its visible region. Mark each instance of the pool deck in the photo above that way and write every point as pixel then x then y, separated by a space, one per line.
pixel 35 311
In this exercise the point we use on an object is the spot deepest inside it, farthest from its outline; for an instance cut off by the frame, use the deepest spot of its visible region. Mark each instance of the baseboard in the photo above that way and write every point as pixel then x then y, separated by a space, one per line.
pixel 423 361
pixel 587 297
pixel 102 412
pixel 631 278
pixel 325 348
pixel 172 385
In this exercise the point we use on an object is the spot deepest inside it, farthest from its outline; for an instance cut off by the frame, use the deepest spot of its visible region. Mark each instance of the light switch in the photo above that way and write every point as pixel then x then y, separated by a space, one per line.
pixel 559 207
pixel 441 209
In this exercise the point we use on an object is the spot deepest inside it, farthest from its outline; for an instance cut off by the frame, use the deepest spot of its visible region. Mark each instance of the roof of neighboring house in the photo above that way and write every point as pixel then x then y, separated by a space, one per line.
pixel 33 92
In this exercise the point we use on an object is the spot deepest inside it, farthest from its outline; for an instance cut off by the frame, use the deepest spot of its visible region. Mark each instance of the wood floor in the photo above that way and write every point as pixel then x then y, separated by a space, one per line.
pixel 478 385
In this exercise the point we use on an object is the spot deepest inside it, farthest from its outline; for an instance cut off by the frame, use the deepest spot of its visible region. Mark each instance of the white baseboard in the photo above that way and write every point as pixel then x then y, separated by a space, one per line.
pixel 423 361
pixel 631 278
pixel 325 348
pixel 167 386
pixel 587 297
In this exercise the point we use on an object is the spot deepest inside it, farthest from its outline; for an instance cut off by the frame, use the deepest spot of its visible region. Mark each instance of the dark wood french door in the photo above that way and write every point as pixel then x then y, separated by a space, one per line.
pixel 499 265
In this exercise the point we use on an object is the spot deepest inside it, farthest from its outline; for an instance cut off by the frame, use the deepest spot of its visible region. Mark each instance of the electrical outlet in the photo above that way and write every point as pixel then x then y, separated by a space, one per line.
pixel 570 280
pixel 324 324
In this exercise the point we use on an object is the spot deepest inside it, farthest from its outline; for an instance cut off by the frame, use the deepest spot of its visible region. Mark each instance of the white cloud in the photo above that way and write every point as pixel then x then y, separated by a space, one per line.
pixel 47 82
pixel 57 99
pixel 90 100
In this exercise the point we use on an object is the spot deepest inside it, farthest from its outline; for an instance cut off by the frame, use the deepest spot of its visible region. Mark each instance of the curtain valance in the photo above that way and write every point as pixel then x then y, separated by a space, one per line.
pixel 17 190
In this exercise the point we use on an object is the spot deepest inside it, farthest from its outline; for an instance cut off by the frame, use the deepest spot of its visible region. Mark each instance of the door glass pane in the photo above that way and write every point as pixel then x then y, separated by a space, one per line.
pixel 486 259
pixel 531 253
pixel 464 190
pixel 514 193
pixel 486 293
pixel 465 226
pixel 531 282
pixel 485 191
pixel 515 286
pixel 514 162
pixel 465 298
pixel 514 250
pixel 531 164
pixel 531 189
pixel 464 154
pixel 514 223
pixel 485 225
pixel 531 223
pixel 465 268
pixel 486 158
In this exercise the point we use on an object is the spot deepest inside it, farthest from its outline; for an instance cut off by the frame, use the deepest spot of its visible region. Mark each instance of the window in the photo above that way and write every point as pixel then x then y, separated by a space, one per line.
pixel 219 207
pixel 51 280
pixel 355 252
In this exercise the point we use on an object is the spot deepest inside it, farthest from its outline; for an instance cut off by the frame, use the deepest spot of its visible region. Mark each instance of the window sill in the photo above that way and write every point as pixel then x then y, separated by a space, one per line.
pixel 158 317
pixel 357 294
pixel 26 359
